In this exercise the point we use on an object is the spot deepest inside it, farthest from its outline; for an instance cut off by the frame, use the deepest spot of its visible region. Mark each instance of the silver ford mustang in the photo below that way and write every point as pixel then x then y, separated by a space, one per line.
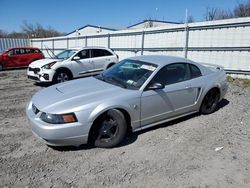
pixel 135 94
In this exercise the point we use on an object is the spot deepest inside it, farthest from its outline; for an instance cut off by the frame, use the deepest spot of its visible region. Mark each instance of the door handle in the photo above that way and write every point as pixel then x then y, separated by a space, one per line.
pixel 188 86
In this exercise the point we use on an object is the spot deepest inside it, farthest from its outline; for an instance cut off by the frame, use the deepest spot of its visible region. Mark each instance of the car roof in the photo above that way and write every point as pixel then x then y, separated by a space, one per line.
pixel 95 47
pixel 23 47
pixel 160 60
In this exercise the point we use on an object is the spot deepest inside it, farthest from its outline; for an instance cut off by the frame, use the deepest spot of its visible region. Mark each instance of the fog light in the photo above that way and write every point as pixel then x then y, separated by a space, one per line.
pixel 46 76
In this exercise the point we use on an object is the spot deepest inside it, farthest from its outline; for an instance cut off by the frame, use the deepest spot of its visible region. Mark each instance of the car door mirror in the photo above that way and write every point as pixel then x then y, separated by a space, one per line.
pixel 155 86
pixel 75 58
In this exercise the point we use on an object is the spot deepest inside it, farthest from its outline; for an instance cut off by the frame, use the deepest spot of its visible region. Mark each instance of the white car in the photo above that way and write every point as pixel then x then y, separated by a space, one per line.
pixel 72 63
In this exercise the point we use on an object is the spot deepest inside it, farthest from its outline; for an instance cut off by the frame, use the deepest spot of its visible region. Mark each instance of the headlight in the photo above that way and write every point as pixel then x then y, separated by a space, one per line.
pixel 58 118
pixel 49 65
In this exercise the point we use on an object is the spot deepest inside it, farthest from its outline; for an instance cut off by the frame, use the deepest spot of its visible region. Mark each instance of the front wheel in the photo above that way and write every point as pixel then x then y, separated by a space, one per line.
pixel 61 76
pixel 210 102
pixel 110 129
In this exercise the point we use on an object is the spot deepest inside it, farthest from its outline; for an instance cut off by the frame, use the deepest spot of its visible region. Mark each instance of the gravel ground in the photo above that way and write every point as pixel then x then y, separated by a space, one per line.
pixel 177 154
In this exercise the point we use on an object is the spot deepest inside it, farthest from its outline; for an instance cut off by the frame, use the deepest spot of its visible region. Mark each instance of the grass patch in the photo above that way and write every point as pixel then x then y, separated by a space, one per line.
pixel 239 81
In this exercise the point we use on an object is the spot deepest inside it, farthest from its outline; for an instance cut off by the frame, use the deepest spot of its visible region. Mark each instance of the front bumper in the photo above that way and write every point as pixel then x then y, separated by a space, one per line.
pixel 71 134
pixel 42 75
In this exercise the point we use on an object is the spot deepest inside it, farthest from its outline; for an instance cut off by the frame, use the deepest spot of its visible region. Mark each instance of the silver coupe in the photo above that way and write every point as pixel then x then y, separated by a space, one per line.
pixel 137 93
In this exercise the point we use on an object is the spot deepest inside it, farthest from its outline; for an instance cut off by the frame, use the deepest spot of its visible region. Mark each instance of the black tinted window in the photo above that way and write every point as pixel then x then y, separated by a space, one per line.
pixel 22 51
pixel 195 71
pixel 100 53
pixel 83 54
pixel 172 73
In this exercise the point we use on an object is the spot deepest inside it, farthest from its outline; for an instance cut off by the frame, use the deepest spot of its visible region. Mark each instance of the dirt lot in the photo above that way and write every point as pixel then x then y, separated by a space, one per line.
pixel 177 154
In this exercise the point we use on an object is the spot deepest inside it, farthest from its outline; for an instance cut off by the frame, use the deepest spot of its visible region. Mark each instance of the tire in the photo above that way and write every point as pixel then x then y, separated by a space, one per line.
pixel 210 102
pixel 61 76
pixel 110 129
pixel 1 67
pixel 110 65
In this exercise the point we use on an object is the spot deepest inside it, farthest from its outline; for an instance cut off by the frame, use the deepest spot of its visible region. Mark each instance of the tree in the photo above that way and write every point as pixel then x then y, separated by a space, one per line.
pixel 217 14
pixel 38 31
pixel 242 10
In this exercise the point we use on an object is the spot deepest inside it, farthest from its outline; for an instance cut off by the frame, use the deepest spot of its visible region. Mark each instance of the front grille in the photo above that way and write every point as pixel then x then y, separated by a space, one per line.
pixel 35 70
pixel 35 109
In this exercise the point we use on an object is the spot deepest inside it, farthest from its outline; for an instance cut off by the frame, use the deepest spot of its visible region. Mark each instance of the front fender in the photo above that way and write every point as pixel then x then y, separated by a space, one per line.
pixel 132 110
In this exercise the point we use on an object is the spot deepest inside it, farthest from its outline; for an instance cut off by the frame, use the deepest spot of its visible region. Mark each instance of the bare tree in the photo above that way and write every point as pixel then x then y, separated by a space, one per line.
pixel 242 9
pixel 217 14
pixel 38 31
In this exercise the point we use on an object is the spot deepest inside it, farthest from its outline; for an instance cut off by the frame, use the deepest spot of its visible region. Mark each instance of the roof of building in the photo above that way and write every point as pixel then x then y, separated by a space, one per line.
pixel 94 26
pixel 149 20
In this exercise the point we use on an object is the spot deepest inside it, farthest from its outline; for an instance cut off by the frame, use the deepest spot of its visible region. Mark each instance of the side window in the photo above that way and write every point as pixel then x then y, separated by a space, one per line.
pixel 28 51
pixel 16 51
pixel 37 51
pixel 100 53
pixel 195 71
pixel 11 52
pixel 97 53
pixel 172 73
pixel 83 54
pixel 22 51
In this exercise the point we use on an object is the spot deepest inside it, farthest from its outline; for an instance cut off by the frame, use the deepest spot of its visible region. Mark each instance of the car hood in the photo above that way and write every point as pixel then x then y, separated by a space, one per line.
pixel 41 62
pixel 76 95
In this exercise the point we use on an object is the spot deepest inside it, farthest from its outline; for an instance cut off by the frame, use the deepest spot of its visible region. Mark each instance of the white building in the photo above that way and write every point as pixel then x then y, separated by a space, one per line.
pixel 89 29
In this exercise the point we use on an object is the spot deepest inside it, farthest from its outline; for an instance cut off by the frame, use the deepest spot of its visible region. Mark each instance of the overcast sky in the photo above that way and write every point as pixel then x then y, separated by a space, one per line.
pixel 68 15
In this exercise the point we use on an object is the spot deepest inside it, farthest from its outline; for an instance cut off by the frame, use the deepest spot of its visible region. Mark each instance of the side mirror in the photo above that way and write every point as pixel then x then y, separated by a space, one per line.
pixel 75 58
pixel 156 86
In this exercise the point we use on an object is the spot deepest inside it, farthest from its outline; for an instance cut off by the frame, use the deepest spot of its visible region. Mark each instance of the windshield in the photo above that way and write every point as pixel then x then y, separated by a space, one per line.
pixel 128 73
pixel 65 54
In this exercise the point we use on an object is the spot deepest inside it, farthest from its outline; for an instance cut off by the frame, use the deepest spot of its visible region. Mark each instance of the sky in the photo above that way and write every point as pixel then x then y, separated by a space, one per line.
pixel 68 15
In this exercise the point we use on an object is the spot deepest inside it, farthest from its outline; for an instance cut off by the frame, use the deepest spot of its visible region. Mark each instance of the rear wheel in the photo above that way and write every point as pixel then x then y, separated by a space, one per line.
pixel 210 102
pixel 61 76
pixel 110 129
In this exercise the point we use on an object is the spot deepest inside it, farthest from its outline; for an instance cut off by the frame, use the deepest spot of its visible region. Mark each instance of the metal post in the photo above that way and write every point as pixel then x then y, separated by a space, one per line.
pixel 142 42
pixel 108 40
pixel 53 45
pixel 187 33
pixel 67 42
pixel 42 44
pixel 86 41
pixel 186 43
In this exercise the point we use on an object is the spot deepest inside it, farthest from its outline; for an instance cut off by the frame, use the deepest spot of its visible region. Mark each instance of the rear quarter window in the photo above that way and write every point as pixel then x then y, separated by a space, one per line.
pixel 195 71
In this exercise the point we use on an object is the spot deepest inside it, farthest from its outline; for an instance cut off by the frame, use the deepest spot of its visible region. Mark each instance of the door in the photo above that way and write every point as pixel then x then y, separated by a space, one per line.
pixel 81 64
pixel 178 97
pixel 100 58
pixel 11 59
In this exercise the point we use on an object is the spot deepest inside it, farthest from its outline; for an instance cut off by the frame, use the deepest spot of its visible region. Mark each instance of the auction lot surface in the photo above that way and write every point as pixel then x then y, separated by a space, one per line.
pixel 177 154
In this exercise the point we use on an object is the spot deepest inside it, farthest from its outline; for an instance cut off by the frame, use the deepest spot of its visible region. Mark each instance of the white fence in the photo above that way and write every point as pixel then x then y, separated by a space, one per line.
pixel 223 42
pixel 6 43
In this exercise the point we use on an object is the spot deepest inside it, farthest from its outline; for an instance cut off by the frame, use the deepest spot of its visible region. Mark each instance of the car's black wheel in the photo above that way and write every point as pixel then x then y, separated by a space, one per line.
pixel 110 65
pixel 110 129
pixel 210 101
pixel 1 67
pixel 61 76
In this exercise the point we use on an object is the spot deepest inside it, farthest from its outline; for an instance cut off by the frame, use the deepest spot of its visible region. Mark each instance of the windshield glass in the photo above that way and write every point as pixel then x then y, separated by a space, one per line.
pixel 65 54
pixel 128 73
